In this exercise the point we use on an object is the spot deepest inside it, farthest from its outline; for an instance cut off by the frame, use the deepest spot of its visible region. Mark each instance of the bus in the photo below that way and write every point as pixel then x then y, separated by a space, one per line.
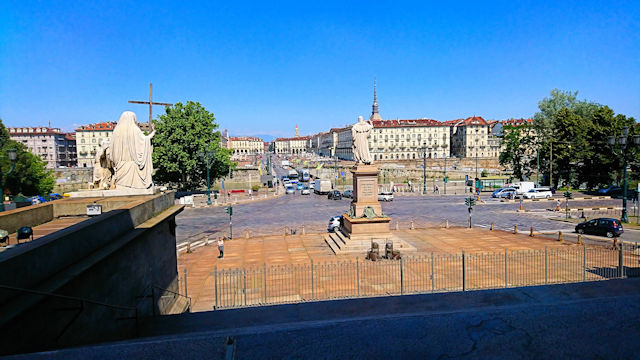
pixel 293 176
pixel 303 174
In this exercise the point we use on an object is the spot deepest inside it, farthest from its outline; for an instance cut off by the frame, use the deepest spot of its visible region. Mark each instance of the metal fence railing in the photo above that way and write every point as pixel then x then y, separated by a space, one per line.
pixel 279 284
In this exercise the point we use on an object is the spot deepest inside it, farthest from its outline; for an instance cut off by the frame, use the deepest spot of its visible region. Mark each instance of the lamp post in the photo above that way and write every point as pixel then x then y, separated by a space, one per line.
pixel 476 162
pixel 622 141
pixel 445 175
pixel 424 168
pixel 208 157
pixel 12 159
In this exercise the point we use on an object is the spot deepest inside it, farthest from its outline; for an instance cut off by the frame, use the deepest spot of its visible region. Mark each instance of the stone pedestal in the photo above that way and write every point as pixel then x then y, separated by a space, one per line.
pixel 359 224
pixel 364 223
pixel 111 193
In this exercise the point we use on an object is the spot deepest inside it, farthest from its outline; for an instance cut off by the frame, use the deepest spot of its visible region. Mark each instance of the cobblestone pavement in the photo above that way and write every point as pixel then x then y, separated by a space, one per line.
pixel 287 262
pixel 271 217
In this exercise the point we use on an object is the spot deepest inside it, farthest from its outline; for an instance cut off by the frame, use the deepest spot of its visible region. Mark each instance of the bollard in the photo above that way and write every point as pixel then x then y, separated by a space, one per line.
pixel 531 232
pixel 579 239
pixel 491 228
pixel 559 235
pixel 446 224
pixel 303 232
pixel 189 247
pixel 515 229
pixel 286 230
pixel 246 234
pixel 397 226
pixel 206 243
pixel 412 225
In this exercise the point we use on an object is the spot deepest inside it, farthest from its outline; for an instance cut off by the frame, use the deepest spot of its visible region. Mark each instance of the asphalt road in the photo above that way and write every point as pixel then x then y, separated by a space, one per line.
pixel 270 217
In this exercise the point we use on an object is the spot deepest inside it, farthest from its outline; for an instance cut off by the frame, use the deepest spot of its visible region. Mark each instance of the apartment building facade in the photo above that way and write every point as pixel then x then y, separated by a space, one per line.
pixel 52 145
pixel 88 139
pixel 246 145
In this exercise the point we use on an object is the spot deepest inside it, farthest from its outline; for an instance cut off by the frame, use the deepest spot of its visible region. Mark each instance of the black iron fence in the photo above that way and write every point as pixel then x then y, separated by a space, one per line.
pixel 279 284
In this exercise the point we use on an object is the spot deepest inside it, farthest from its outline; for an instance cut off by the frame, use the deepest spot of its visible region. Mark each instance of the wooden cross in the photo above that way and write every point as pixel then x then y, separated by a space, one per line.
pixel 150 102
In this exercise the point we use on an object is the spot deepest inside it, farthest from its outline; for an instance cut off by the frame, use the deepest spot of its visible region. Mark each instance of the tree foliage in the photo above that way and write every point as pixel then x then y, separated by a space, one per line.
pixel 579 131
pixel 30 175
pixel 516 144
pixel 183 132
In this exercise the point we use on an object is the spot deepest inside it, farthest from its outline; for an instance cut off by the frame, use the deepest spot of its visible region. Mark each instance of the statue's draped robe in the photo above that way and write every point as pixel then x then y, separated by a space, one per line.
pixel 131 154
pixel 360 133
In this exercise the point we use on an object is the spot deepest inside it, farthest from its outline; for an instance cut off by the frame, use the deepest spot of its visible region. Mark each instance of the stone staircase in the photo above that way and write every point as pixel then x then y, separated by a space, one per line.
pixel 340 244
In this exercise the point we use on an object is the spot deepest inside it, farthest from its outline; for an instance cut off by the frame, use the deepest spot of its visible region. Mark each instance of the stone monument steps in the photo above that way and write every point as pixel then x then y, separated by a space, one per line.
pixel 340 244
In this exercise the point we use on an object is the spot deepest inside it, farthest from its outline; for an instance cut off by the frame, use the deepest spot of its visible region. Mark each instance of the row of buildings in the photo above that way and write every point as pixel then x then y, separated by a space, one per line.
pixel 406 139
pixel 400 139
pixel 79 148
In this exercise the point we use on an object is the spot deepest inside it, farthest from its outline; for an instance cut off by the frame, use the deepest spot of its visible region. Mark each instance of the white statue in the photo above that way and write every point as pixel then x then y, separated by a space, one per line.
pixel 360 133
pixel 131 154
pixel 103 167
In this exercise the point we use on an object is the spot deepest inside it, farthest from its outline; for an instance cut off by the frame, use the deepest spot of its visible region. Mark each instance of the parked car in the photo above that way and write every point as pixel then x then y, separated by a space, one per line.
pixel 290 190
pixel 602 226
pixel 299 186
pixel 334 195
pixel 538 193
pixel 305 191
pixel 55 196
pixel 348 194
pixel 503 192
pixel 610 190
pixel 334 223
pixel 385 196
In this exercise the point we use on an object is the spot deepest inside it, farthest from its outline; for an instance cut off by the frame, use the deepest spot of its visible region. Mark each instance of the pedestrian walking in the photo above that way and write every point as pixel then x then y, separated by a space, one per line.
pixel 220 247
pixel 558 205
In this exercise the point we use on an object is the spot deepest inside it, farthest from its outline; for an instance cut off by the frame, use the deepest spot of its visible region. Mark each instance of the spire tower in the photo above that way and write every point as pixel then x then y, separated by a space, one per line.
pixel 374 109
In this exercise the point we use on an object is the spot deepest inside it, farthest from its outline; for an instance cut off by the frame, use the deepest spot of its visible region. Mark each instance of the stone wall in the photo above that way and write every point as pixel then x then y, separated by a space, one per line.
pixel 72 179
pixel 403 171
pixel 102 271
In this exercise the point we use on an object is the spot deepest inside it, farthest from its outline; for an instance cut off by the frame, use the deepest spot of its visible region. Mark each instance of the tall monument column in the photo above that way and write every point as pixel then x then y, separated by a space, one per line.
pixel 364 220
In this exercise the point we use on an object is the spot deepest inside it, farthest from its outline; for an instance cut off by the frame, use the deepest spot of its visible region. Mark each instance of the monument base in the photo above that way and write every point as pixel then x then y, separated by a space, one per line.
pixel 111 193
pixel 366 229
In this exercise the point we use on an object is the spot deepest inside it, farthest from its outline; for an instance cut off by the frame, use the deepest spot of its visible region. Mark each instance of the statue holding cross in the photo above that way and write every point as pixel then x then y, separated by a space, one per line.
pixel 150 103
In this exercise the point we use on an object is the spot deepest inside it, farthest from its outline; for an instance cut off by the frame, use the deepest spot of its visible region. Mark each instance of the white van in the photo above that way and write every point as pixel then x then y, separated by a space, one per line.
pixel 538 193
pixel 523 187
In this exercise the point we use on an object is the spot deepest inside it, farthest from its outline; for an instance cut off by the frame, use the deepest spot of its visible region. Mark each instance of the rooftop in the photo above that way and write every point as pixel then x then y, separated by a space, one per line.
pixel 406 123
pixel 103 126
pixel 40 130
pixel 294 138
pixel 245 138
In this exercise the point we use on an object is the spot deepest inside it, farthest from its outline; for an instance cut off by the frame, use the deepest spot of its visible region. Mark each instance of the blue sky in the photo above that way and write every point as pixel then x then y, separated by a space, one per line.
pixel 262 68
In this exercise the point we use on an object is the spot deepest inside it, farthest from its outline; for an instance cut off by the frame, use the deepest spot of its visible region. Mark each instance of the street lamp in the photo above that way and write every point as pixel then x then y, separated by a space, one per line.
pixel 424 168
pixel 445 174
pixel 12 159
pixel 622 141
pixel 208 157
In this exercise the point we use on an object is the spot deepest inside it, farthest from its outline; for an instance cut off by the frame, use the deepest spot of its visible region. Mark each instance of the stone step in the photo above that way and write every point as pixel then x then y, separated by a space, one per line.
pixel 332 245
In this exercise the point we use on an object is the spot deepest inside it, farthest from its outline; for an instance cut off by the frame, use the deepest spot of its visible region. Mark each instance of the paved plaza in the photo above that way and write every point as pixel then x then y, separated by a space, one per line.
pixel 287 260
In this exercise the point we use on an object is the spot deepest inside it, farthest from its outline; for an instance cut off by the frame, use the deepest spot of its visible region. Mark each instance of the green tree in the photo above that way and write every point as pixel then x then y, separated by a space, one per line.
pixel 30 175
pixel 600 167
pixel 182 133
pixel 545 123
pixel 517 144
pixel 571 146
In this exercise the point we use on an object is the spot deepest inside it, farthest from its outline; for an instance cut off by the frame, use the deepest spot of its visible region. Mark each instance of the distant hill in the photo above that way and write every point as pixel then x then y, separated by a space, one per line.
pixel 267 138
